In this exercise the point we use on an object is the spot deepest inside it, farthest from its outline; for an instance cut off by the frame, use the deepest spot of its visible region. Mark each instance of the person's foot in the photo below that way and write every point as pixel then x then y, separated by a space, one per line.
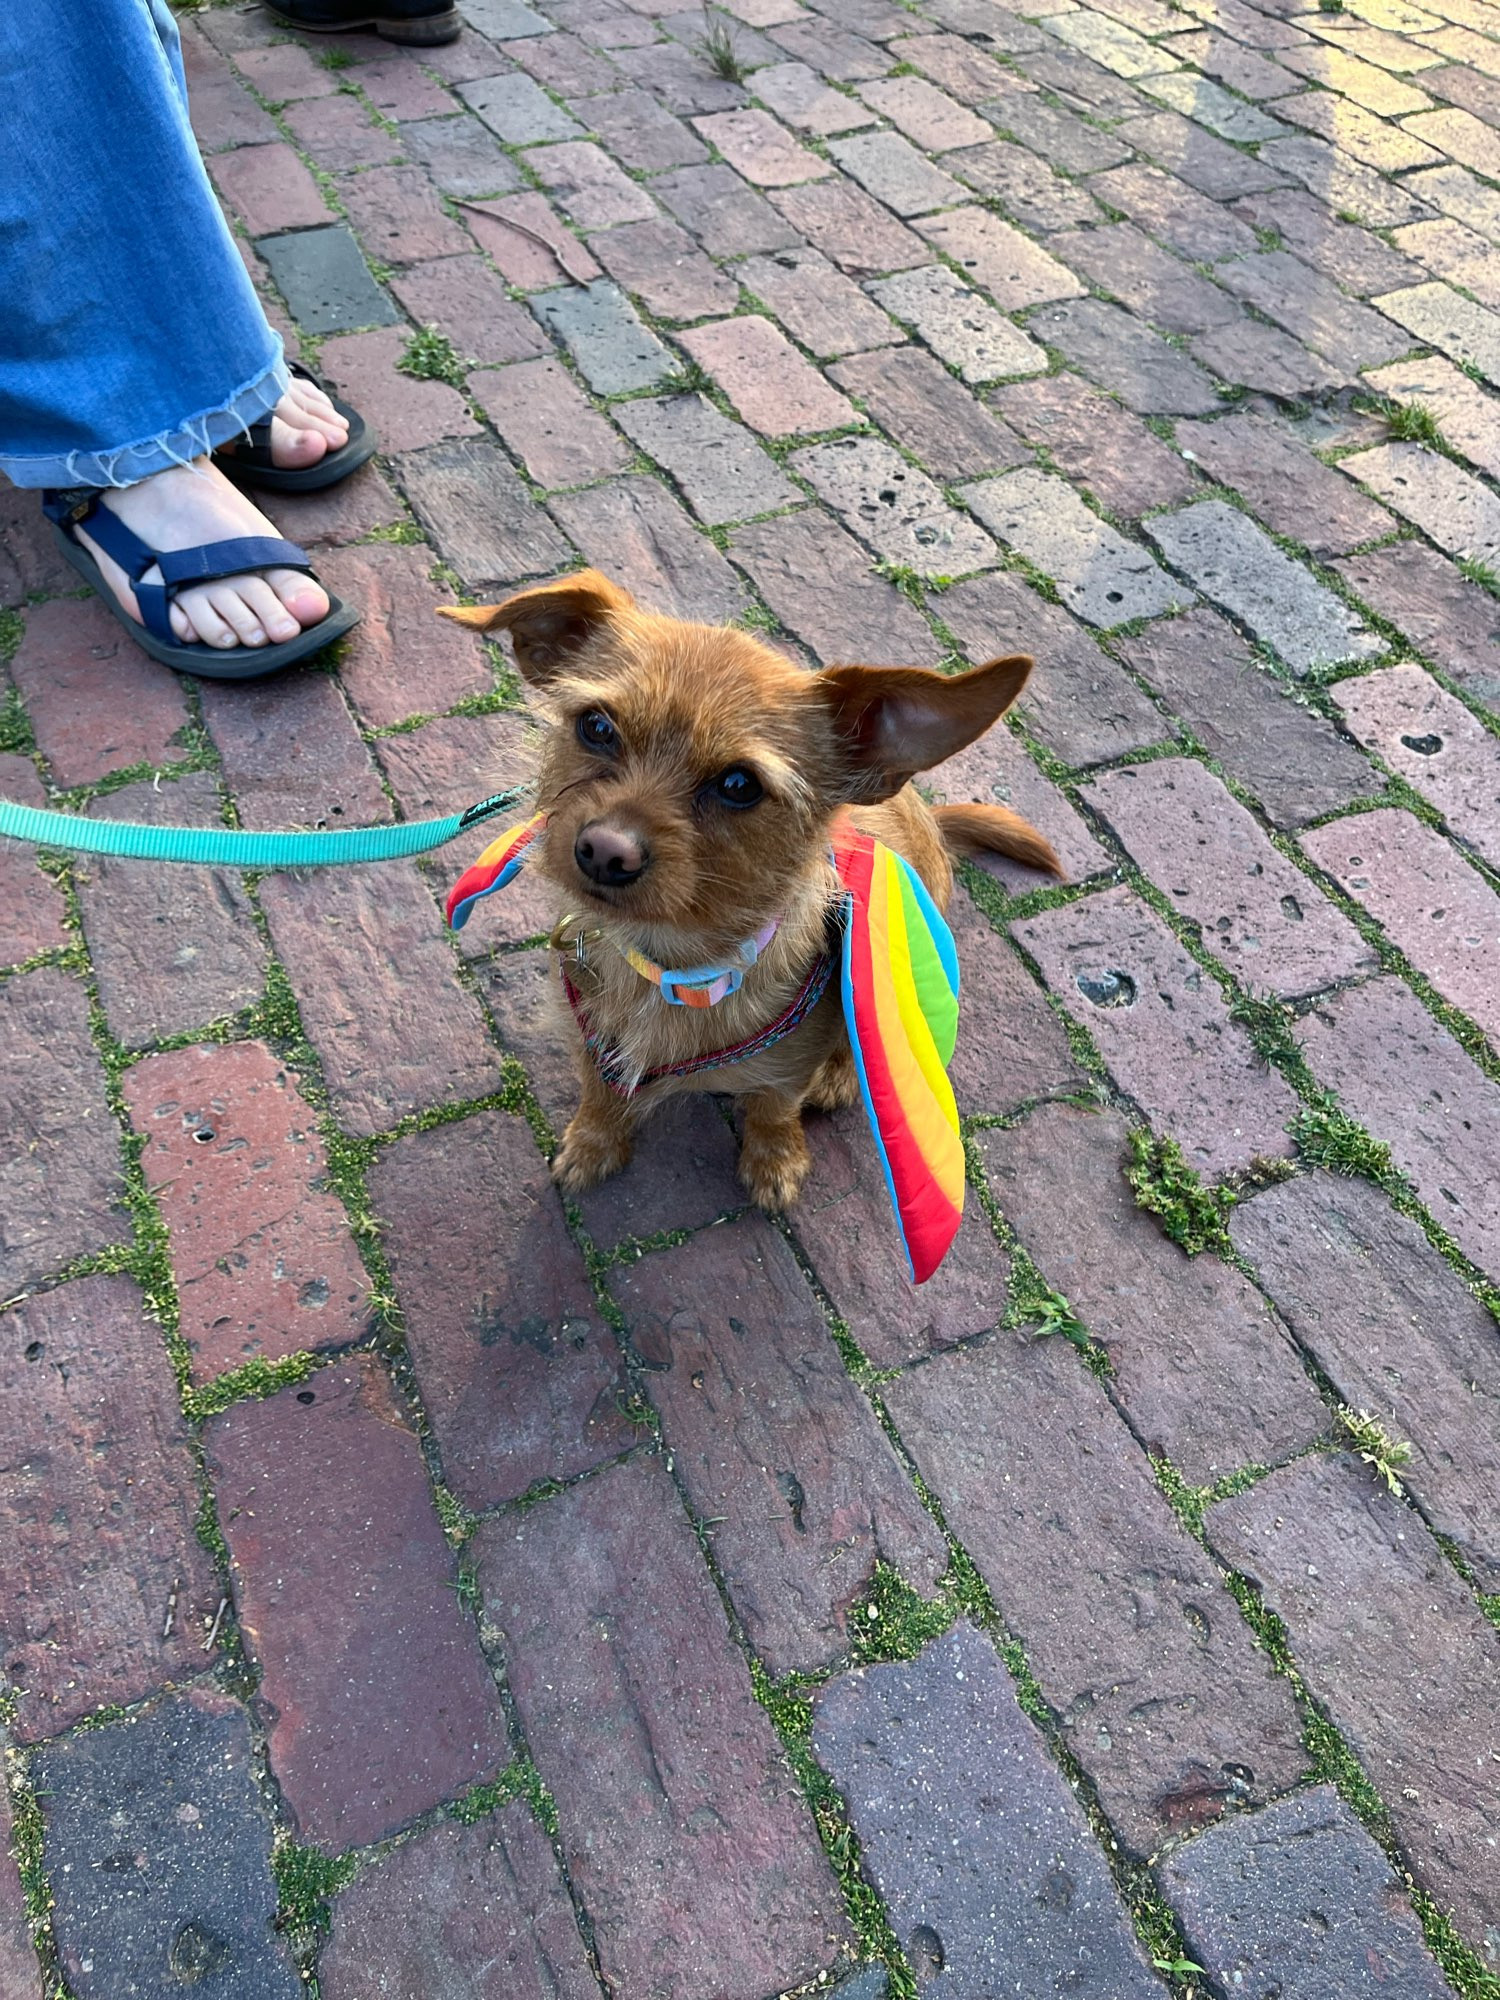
pixel 305 426
pixel 186 506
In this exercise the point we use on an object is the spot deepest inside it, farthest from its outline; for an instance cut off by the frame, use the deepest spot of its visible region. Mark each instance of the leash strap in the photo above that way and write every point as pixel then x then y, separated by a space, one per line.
pixel 225 847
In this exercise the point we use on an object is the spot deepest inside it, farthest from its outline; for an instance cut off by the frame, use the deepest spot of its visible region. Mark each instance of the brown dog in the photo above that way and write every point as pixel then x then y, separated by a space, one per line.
pixel 690 778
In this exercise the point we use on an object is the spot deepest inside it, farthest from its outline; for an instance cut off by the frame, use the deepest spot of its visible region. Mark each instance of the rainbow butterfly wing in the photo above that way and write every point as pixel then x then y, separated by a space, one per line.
pixel 900 988
pixel 496 866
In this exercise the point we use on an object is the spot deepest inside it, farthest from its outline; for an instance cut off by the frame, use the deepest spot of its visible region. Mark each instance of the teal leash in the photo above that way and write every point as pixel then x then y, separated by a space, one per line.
pixel 223 847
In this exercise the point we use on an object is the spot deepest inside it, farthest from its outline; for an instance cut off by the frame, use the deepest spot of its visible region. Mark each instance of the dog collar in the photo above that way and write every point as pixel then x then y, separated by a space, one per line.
pixel 695 986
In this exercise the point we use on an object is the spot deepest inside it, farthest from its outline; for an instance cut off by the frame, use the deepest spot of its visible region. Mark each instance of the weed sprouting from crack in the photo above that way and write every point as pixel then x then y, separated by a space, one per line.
pixel 1327 1137
pixel 307 1880
pixel 1374 1444
pixel 717 47
pixel 1191 1215
pixel 431 357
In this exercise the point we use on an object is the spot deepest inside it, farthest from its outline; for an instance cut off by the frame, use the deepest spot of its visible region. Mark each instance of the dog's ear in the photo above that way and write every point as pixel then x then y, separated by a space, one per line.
pixel 549 622
pixel 894 721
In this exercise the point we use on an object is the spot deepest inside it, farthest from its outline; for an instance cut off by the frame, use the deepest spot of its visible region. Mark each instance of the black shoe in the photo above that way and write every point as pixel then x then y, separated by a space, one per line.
pixel 423 22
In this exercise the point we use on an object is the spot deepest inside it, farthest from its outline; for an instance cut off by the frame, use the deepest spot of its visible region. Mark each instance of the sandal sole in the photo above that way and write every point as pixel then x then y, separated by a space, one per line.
pixel 358 448
pixel 209 663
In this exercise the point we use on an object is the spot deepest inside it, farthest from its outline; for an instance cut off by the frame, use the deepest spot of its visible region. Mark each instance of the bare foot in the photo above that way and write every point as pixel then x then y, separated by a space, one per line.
pixel 305 426
pixel 189 505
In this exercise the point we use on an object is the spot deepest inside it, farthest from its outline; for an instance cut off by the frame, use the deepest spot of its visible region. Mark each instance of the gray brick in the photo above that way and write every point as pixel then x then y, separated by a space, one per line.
pixel 894 508
pixel 322 275
pixel 1104 578
pixel 600 328
pixel 518 110
pixel 718 464
pixel 485 521
pixel 959 325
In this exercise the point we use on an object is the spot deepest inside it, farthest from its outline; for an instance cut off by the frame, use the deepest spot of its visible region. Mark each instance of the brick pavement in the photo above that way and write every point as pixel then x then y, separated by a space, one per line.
pixel 412 1585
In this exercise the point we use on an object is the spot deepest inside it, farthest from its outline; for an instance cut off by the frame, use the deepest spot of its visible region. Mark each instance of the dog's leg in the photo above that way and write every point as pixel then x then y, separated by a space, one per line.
pixel 599 1137
pixel 774 1160
pixel 835 1082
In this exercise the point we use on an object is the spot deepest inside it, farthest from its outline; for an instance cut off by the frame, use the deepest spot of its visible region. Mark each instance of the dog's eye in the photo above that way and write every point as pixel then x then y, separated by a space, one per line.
pixel 738 787
pixel 595 731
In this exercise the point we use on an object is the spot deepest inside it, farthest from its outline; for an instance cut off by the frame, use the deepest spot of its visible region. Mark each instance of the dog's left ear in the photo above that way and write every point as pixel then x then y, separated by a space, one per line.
pixel 549 622
pixel 892 722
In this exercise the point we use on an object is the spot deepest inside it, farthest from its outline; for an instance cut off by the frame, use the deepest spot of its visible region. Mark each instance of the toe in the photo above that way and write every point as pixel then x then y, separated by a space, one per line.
pixel 272 615
pixel 228 600
pixel 306 600
pixel 196 608
pixel 295 446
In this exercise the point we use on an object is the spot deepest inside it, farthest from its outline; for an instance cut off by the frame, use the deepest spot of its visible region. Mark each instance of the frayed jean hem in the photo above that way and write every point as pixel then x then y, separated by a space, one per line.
pixel 194 438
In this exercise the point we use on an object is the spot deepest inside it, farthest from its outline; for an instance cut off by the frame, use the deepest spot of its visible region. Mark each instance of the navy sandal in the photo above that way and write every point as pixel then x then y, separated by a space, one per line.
pixel 248 461
pixel 180 568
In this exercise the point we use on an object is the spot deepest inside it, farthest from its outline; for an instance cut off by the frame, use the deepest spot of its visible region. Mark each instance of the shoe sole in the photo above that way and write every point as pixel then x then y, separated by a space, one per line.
pixel 425 32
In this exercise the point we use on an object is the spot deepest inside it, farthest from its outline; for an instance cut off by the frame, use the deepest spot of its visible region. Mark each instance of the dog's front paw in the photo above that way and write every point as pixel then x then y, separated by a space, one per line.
pixel 835 1083
pixel 588 1155
pixel 774 1167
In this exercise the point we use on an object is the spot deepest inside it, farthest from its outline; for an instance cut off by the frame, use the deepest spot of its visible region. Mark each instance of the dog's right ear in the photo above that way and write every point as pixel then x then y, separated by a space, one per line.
pixel 549 622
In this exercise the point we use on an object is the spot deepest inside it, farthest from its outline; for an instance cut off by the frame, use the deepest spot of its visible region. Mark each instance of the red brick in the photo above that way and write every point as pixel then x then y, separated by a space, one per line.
pixel 520 259
pixel 20 1975
pixel 60 1153
pixel 525 998
pixel 173 948
pixel 564 64
pixel 1255 910
pixel 465 300
pixel 398 217
pixel 637 532
pixel 465 60
pixel 774 1444
pixel 1429 737
pixel 1148 279
pixel 761 149
pixel 1312 309
pixel 1197 227
pixel 1250 355
pixel 1001 260
pixel 406 411
pixel 1097 444
pixel 547 421
pixel 286 71
pixel 402 659
pixel 390 1047
pixel 291 754
pixel 341 135
pixel 1454 622
pixel 588 186
pixel 639 132
pixel 398 88
pixel 99 1556
pixel 1289 489
pixel 1408 1081
pixel 480 512
pixel 1206 1374
pixel 1432 904
pixel 224 114
pixel 1140 1652
pixel 96 702
pixel 1294 762
pixel 261 1250
pixel 1398 1333
pixel 1393 1646
pixel 1011 1046
pixel 30 565
pixel 914 398
pixel 1351 257
pixel 820 584
pixel 1078 701
pixel 681 1176
pixel 31 905
pixel 684 1834
pixel 769 383
pixel 995 770
pixel 485 1902
pixel 520 1377
pixel 1204 162
pixel 269 189
pixel 852 229
pixel 343 513
pixel 817 304
pixel 660 264
pixel 841 58
pixel 345 1592
pixel 1163 1028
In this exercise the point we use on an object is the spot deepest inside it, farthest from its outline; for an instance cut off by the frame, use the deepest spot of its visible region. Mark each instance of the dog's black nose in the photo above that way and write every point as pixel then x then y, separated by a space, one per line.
pixel 610 856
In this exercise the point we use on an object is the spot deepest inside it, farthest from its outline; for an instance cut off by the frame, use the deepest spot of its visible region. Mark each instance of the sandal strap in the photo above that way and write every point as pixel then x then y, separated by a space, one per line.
pixel 180 567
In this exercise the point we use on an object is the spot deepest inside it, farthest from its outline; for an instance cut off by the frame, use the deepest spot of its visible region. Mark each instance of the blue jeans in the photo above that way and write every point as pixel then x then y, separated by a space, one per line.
pixel 131 337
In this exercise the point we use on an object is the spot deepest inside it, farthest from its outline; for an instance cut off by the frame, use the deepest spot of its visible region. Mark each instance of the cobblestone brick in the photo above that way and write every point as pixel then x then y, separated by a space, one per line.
pixel 1433 742
pixel 1445 502
pixel 30 564
pixel 1119 353
pixel 660 264
pixel 1025 187
pixel 481 515
pixel 322 275
pixel 291 755
pixel 928 116
pixel 60 1154
pixel 402 659
pixel 1094 441
pixel 589 187
pixel 96 702
pixel 839 57
pixel 1102 577
pixel 31 905
pixel 962 67
pixel 1455 192
pixel 1233 562
pixel 172 948
pixel 286 72
pixel 772 1441
pixel 398 216
pixel 1460 135
pixel 895 509
pixel 1410 1083
pixel 1348 186
pixel 261 1251
pixel 1197 227
pixel 1397 1332
pixel 468 303
pixel 1299 1899
pixel 772 387
pixel 1075 145
pixel 1110 43
pixel 1352 257
pixel 484 1901
pixel 1292 491
pixel 1152 282
pixel 1335 1557
pixel 844 1223
pixel 816 303
pixel 724 212
pixel 518 111
pixel 269 189
pixel 614 349
pixel 345 1592
pixel 675 74
pixel 850 228
pixel 720 468
pixel 339 514
pixel 1139 1650
pixel 1436 314
pixel 1011 1047
pixel 821 585
pixel 107 1590
pixel 760 149
pixel 1356 133
pixel 461 156
pixel 800 97
pixel 971 1832
pixel 1006 264
pixel 1449 250
pixel 1432 904
pixel 892 171
pixel 995 770
pixel 550 425
pixel 407 412
pixel 1206 1374
pixel 635 531
pixel 915 399
pixel 604 1606
pixel 520 1377
pixel 1161 1025
pixel 1226 115
pixel 1080 704
pixel 1434 605
pixel 640 133
pixel 1256 912
pixel 224 114
pixel 1250 355
pixel 959 325
pixel 1184 149
pixel 1312 309
pixel 159 1849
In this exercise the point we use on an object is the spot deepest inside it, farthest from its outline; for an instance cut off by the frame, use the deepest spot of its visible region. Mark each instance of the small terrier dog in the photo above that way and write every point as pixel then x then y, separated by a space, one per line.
pixel 689 778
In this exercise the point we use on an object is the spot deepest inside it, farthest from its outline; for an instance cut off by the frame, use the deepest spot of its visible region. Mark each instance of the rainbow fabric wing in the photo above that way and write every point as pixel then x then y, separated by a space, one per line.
pixel 498 864
pixel 900 979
